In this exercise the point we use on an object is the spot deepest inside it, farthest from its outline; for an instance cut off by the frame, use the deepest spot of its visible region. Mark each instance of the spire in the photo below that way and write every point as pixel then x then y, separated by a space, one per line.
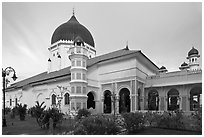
pixel 73 11
pixel 126 48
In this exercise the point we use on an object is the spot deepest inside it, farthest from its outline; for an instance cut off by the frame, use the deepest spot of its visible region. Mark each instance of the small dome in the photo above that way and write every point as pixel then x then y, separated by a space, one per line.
pixel 162 68
pixel 184 64
pixel 193 51
pixel 70 30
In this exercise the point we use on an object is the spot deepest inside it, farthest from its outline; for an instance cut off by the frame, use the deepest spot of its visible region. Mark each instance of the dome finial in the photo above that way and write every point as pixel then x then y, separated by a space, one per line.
pixel 73 11
pixel 126 48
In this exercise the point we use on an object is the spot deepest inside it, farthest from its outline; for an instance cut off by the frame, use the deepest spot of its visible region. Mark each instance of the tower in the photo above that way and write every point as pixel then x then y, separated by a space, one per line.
pixel 71 46
pixel 193 56
pixel 78 57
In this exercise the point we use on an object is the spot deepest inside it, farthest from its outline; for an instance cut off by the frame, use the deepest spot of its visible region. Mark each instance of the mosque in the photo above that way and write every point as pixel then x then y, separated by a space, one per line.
pixel 120 81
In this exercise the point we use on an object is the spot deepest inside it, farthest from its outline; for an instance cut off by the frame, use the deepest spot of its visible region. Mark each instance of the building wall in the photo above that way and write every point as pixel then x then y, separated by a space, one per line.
pixel 115 75
pixel 41 93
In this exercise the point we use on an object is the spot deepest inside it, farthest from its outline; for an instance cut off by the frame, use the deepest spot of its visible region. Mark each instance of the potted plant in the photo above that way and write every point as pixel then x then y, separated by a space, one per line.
pixel 22 111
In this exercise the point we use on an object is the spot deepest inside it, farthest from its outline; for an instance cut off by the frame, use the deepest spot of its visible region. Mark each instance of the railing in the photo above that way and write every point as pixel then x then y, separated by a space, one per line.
pixel 78 50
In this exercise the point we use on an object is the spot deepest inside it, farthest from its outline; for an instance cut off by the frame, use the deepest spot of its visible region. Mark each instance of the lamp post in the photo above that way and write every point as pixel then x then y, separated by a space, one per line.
pixel 6 72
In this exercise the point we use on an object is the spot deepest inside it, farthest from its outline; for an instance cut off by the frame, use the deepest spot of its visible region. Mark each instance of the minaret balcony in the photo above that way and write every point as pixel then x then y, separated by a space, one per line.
pixel 80 50
pixel 78 68
pixel 78 81
pixel 194 64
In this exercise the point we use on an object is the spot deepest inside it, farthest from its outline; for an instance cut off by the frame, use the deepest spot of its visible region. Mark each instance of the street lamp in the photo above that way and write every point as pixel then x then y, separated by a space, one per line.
pixel 6 72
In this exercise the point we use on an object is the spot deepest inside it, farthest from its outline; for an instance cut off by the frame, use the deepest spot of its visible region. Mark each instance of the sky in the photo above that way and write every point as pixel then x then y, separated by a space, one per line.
pixel 164 32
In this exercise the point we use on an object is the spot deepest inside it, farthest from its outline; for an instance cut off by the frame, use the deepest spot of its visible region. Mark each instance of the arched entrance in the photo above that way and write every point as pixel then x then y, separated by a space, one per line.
pixel 153 100
pixel 195 98
pixel 124 102
pixel 90 101
pixel 107 102
pixel 173 100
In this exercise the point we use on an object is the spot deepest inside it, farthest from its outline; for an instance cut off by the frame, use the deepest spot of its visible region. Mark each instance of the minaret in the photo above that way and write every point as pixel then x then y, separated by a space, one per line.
pixel 193 56
pixel 78 57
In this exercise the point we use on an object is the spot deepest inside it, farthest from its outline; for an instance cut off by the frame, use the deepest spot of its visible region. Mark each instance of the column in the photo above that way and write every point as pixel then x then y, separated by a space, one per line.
pixel 117 104
pixel 162 103
pixel 102 104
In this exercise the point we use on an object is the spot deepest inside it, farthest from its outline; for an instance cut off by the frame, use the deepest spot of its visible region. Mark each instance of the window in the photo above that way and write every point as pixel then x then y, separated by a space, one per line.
pixel 78 63
pixel 153 100
pixel 78 76
pixel 10 102
pixel 73 63
pixel 78 89
pixel 84 64
pixel 73 75
pixel 107 102
pixel 90 101
pixel 173 100
pixel 72 89
pixel 138 99
pixel 84 90
pixel 192 59
pixel 66 99
pixel 79 43
pixel 16 101
pixel 195 98
pixel 53 99
pixel 84 77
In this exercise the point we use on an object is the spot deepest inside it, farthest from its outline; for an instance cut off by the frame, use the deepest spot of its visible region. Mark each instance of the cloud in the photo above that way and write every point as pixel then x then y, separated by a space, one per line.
pixel 28 53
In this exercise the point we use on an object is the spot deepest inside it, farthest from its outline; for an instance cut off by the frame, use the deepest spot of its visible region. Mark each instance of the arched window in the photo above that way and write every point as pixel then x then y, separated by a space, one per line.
pixel 53 99
pixel 66 99
pixel 153 100
pixel 195 98
pixel 90 101
pixel 124 102
pixel 173 99
pixel 107 102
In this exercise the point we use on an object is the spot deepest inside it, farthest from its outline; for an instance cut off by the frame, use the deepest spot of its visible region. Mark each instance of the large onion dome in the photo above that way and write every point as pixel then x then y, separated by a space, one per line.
pixel 193 51
pixel 70 30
